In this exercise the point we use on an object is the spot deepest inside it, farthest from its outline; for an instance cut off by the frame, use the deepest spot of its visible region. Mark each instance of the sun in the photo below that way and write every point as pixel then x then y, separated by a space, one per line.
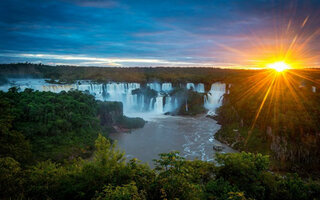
pixel 279 66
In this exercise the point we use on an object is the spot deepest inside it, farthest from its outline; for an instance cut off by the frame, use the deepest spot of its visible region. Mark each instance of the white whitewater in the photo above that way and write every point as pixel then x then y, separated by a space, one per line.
pixel 196 87
pixel 214 97
pixel 122 92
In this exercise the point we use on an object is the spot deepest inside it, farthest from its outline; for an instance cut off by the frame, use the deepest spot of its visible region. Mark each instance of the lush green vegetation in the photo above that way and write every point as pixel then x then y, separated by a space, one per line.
pixel 287 125
pixel 39 129
pixel 109 176
pixel 49 125
pixel 41 125
pixel 47 141
pixel 131 122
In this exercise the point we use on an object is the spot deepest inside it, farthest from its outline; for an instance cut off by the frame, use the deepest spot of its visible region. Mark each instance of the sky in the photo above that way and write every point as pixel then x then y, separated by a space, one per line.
pixel 204 33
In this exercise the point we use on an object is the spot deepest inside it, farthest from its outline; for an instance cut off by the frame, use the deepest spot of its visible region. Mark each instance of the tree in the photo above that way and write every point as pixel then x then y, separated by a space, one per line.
pixel 11 179
pixel 125 192
pixel 173 181
pixel 244 170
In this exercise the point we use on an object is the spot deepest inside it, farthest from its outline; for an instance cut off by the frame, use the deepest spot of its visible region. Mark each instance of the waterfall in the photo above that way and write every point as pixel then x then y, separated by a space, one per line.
pixel 176 105
pixel 200 88
pixel 213 99
pixel 166 87
pixel 142 103
pixel 168 106
pixel 158 106
pixel 154 86
pixel 122 92
pixel 196 87
pixel 151 104
pixel 190 86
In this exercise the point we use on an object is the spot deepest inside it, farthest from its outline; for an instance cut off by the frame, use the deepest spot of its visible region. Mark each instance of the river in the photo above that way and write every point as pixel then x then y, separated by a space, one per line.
pixel 193 137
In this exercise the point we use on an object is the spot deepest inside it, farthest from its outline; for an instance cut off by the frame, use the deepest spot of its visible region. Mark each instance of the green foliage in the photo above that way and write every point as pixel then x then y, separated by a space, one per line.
pixel 43 180
pixel 244 169
pixel 106 153
pixel 236 196
pixel 87 177
pixel 174 179
pixel 132 74
pixel 219 189
pixel 131 122
pixel 284 124
pixel 109 176
pixel 56 125
pixel 13 143
pixel 11 178
pixel 125 192
pixel 67 122
pixel 244 139
pixel 292 187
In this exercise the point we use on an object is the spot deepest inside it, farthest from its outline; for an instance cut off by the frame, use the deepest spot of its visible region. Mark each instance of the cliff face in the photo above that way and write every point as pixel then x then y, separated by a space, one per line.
pixel 288 152
pixel 304 149
pixel 112 118
pixel 110 112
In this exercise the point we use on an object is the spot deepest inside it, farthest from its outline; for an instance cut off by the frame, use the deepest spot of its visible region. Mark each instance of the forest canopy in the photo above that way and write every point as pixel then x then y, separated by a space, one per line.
pixel 46 139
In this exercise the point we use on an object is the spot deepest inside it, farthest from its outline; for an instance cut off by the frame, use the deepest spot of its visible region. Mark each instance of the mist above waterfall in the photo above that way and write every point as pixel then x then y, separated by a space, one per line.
pixel 156 98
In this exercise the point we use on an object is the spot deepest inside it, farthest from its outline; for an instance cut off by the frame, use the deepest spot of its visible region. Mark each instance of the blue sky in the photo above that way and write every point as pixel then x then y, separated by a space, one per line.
pixel 218 33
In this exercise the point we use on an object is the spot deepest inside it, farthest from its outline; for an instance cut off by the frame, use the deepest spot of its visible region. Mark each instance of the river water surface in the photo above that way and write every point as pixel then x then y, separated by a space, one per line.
pixel 193 137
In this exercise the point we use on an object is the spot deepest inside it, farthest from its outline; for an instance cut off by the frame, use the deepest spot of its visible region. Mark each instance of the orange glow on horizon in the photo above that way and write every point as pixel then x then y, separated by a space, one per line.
pixel 291 41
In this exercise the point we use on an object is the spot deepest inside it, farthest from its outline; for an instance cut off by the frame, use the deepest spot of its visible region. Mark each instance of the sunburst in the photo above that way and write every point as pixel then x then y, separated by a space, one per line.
pixel 279 66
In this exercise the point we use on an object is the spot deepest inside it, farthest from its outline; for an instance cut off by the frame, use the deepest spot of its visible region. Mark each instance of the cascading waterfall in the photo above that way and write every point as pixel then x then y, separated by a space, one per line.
pixel 166 87
pixel 200 88
pixel 158 106
pixel 168 104
pixel 154 86
pixel 151 104
pixel 213 99
pixel 191 86
pixel 132 103
pixel 196 87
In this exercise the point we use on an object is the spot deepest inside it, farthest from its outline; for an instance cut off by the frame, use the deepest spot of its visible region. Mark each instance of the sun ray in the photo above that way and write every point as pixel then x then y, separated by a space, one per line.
pixel 263 101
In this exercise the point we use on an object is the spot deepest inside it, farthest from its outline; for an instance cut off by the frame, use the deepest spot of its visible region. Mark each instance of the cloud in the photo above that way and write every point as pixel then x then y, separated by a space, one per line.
pixel 99 61
pixel 174 31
